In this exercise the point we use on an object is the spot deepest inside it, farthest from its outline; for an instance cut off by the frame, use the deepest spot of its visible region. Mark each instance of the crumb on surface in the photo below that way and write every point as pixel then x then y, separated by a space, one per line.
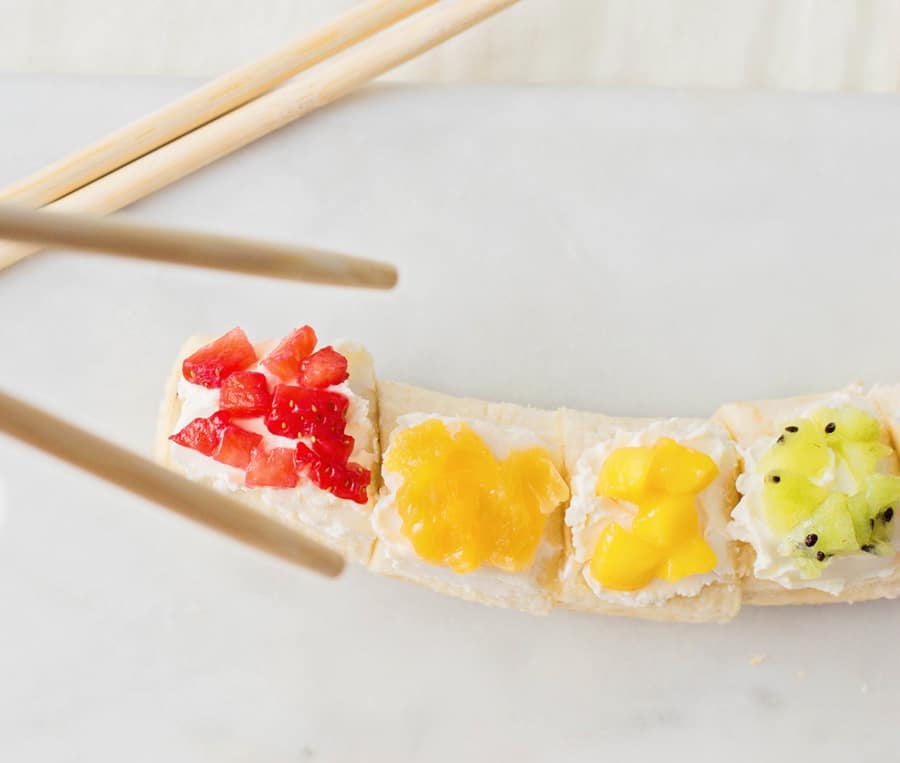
pixel 758 659
pixel 864 688
pixel 800 675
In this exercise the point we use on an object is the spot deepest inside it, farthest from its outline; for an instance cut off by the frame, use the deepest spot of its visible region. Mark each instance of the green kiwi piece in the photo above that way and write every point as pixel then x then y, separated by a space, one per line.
pixel 861 457
pixel 829 532
pixel 789 498
pixel 800 448
pixel 846 424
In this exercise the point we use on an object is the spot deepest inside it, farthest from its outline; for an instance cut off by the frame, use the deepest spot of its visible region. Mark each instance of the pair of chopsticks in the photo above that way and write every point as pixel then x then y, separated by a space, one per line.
pixel 164 147
pixel 242 106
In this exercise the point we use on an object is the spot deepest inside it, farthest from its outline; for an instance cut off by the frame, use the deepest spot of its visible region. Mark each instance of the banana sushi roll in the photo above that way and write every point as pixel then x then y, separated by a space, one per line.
pixel 472 497
pixel 646 529
pixel 819 493
pixel 289 428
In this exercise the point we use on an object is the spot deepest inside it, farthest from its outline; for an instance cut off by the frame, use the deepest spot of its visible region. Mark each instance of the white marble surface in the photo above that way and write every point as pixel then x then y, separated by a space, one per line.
pixel 634 253
pixel 750 44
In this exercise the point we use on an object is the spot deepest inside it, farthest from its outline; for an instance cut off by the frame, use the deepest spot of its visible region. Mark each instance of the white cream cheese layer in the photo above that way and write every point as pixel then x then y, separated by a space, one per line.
pixel 588 514
pixel 307 502
pixel 749 524
pixel 396 550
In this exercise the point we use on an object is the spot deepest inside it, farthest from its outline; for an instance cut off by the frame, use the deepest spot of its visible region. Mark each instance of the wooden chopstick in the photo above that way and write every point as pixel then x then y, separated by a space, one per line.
pixel 149 480
pixel 207 103
pixel 237 255
pixel 311 90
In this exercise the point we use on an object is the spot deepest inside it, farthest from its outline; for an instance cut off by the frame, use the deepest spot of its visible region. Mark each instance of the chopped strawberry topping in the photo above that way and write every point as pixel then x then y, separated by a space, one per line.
pixel 349 481
pixel 311 412
pixel 284 361
pixel 271 468
pixel 323 368
pixel 236 446
pixel 245 394
pixel 335 451
pixel 203 435
pixel 215 362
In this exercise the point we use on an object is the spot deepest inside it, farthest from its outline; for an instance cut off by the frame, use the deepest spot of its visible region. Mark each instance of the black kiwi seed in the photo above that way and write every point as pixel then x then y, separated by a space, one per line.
pixel 868 548
pixel 811 540
pixel 830 427
pixel 820 555
pixel 871 523
pixel 775 478
pixel 792 429
pixel 888 513
pixel 780 440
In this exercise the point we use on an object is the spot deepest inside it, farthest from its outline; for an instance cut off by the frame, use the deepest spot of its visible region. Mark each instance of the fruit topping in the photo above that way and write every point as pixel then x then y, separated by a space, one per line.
pixel 335 451
pixel 245 394
pixel 300 411
pixel 665 520
pixel 462 506
pixel 789 498
pixel 344 480
pixel 323 368
pixel 236 445
pixel 203 434
pixel 271 468
pixel 677 470
pixel 624 474
pixel 293 411
pixel 211 365
pixel 623 561
pixel 665 540
pixel 800 448
pixel 695 557
pixel 822 493
pixel 284 360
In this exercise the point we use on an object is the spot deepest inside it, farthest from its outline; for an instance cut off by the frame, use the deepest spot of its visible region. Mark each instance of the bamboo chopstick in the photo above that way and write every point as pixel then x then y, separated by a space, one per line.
pixel 207 103
pixel 309 91
pixel 141 476
pixel 237 255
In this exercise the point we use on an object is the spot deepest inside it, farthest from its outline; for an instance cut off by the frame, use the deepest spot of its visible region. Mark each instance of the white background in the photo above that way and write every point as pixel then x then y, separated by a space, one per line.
pixel 653 253
pixel 801 44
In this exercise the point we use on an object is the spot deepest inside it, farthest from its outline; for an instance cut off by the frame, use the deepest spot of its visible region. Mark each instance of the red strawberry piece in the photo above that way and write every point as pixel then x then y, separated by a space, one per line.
pixel 284 360
pixel 323 368
pixel 215 362
pixel 271 468
pixel 336 450
pixel 349 481
pixel 300 411
pixel 352 483
pixel 203 435
pixel 236 446
pixel 245 394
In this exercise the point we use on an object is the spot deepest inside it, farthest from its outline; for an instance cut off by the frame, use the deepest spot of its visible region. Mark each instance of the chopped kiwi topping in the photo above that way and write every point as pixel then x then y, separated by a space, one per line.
pixel 813 519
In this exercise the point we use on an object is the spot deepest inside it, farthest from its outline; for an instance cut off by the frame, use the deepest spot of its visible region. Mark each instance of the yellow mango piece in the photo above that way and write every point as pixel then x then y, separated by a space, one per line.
pixel 530 489
pixel 623 476
pixel 679 470
pixel 695 557
pixel 667 520
pixel 418 445
pixel 460 506
pixel 439 522
pixel 622 561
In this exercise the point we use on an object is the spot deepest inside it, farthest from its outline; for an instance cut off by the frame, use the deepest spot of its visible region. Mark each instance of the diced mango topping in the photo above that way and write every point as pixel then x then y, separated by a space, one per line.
pixel 462 506
pixel 665 540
